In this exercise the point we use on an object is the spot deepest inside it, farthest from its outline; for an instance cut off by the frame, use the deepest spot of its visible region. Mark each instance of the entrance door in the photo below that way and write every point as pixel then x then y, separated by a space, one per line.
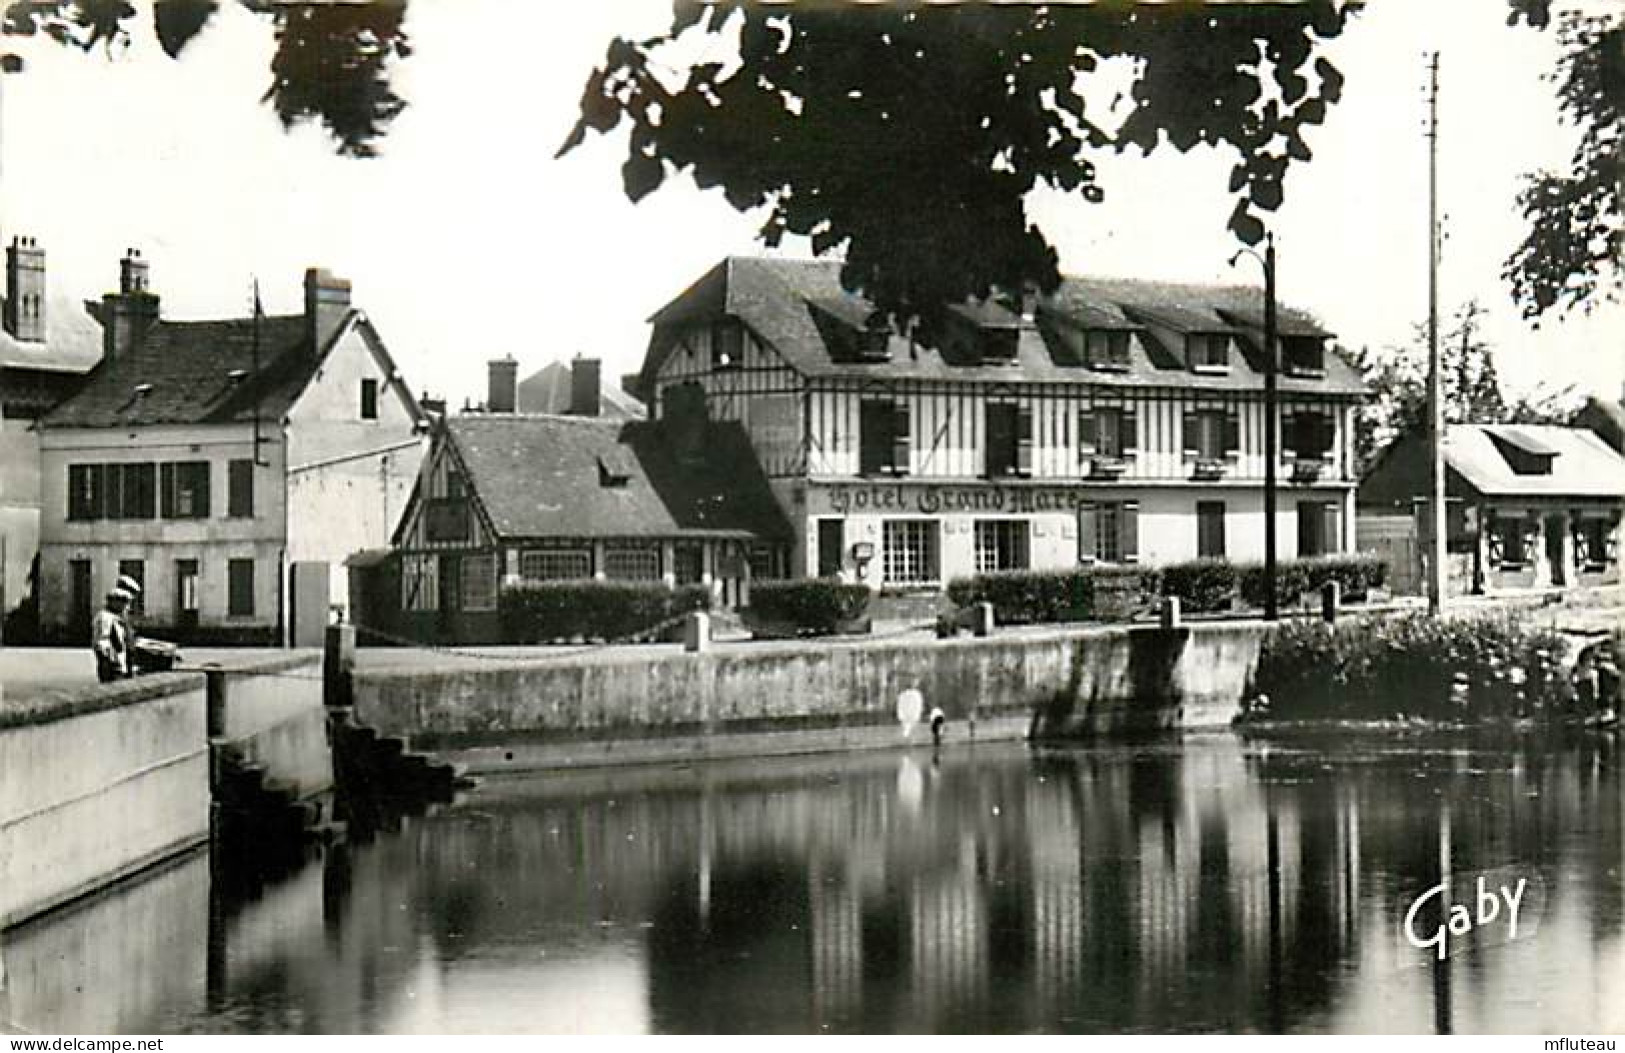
pixel 831 546
pixel 1554 530
pixel 80 601
pixel 186 598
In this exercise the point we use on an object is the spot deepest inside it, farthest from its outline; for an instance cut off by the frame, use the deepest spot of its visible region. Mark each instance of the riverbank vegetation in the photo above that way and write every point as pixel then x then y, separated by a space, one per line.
pixel 553 611
pixel 1491 669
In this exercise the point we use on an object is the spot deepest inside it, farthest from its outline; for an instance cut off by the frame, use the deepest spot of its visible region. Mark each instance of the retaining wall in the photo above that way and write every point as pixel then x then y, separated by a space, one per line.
pixel 272 712
pixel 794 697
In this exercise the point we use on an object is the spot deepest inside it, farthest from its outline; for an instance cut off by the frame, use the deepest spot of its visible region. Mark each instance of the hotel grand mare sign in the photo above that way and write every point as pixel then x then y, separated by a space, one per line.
pixel 901 497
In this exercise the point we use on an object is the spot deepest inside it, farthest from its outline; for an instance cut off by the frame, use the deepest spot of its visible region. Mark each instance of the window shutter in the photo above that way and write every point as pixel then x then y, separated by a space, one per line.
pixel 1086 434
pixel 1232 432
pixel 1128 433
pixel 1327 434
pixel 1332 542
pixel 1129 527
pixel 1088 535
pixel 1024 442
pixel 901 444
pixel 200 508
pixel 166 474
pixel 1191 439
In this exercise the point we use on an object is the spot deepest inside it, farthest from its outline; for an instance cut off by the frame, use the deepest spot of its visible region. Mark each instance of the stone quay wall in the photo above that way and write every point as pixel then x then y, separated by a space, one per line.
pixel 754 699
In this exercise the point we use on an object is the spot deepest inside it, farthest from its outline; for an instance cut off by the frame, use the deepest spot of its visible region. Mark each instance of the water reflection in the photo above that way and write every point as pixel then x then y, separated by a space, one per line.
pixel 1207 885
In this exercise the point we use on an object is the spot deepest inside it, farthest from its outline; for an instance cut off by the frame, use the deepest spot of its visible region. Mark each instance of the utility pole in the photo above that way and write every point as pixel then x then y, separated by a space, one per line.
pixel 1271 413
pixel 1436 474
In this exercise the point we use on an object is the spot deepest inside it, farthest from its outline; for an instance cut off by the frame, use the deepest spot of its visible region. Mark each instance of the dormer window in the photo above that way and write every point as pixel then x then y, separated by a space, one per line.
pixel 1208 352
pixel 1524 453
pixel 875 340
pixel 999 345
pixel 613 471
pixel 727 344
pixel 1107 348
pixel 1304 355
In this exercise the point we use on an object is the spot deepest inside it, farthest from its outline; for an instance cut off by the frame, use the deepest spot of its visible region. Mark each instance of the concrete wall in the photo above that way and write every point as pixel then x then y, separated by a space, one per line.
pixel 273 713
pixel 97 785
pixel 600 708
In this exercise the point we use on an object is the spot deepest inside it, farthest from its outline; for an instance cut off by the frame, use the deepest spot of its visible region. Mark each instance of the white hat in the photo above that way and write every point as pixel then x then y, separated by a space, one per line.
pixel 129 585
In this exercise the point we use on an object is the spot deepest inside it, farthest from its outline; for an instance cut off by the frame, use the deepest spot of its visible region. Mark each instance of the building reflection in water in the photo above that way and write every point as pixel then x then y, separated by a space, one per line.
pixel 1204 885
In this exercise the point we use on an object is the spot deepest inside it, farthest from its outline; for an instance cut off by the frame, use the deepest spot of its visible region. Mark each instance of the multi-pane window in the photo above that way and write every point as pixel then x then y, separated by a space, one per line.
pixel 1001 544
pixel 420 582
pixel 1107 348
pixel 136 571
pixel 688 564
pixel 369 399
pixel 1109 531
pixel 478 581
pixel 909 552
pixel 1506 541
pixel 240 489
pixel 112 491
pixel 185 490
pixel 1211 434
pixel 1107 432
pixel 1319 526
pixel 831 546
pixel 1208 350
pixel 1009 440
pixel 1593 542
pixel 1303 354
pixel 883 437
pixel 1210 528
pixel 627 563
pixel 239 588
pixel 766 562
pixel 555 564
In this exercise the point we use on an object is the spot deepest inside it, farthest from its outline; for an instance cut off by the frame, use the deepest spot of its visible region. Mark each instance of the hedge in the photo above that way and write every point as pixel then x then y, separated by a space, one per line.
pixel 1459 670
pixel 1358 574
pixel 1107 593
pixel 1031 597
pixel 1201 585
pixel 549 611
pixel 809 607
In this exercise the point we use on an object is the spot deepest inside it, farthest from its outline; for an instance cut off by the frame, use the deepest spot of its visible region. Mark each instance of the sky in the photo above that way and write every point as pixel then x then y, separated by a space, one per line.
pixel 466 240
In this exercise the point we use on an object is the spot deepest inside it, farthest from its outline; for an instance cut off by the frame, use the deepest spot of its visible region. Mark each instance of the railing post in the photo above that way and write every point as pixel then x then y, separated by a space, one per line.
pixel 1170 615
pixel 697 632
pixel 982 625
pixel 338 666
pixel 1331 598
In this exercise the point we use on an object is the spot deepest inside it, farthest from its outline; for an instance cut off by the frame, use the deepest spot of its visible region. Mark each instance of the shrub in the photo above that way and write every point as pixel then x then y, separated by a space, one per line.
pixel 1202 585
pixel 812 607
pixel 544 612
pixel 1358 574
pixel 1028 597
pixel 1482 669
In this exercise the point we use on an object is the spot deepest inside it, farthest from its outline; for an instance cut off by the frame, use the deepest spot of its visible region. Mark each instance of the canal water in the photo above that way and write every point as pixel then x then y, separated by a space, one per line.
pixel 1208 884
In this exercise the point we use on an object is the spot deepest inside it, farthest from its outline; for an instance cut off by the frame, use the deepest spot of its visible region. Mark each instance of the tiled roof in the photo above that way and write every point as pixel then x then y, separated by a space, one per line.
pixel 187 368
pixel 1582 464
pixel 543 476
pixel 781 300
pixel 548 391
pixel 73 341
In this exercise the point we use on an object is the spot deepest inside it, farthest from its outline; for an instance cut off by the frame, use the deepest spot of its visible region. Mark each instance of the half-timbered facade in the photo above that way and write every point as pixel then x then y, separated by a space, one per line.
pixel 507 498
pixel 1113 421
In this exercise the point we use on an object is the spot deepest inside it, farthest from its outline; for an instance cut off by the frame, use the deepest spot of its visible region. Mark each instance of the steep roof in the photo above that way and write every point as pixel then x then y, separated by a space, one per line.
pixel 782 300
pixel 544 476
pixel 188 367
pixel 548 391
pixel 1582 465
pixel 73 340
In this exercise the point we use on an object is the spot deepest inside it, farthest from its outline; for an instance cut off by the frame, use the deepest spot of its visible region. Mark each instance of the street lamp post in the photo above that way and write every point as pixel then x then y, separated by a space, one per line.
pixel 1271 608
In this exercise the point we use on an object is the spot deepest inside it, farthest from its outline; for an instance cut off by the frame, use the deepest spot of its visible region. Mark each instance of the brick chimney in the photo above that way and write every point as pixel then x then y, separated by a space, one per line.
pixel 25 290
pixel 327 301
pixel 128 314
pixel 502 388
pixel 586 391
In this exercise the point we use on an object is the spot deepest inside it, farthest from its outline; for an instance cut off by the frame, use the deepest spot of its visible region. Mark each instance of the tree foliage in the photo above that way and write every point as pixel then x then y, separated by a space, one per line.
pixel 1571 253
pixel 332 62
pixel 911 134
pixel 1472 387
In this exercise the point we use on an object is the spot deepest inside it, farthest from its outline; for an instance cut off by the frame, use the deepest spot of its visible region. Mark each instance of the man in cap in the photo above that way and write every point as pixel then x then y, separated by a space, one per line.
pixel 110 637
